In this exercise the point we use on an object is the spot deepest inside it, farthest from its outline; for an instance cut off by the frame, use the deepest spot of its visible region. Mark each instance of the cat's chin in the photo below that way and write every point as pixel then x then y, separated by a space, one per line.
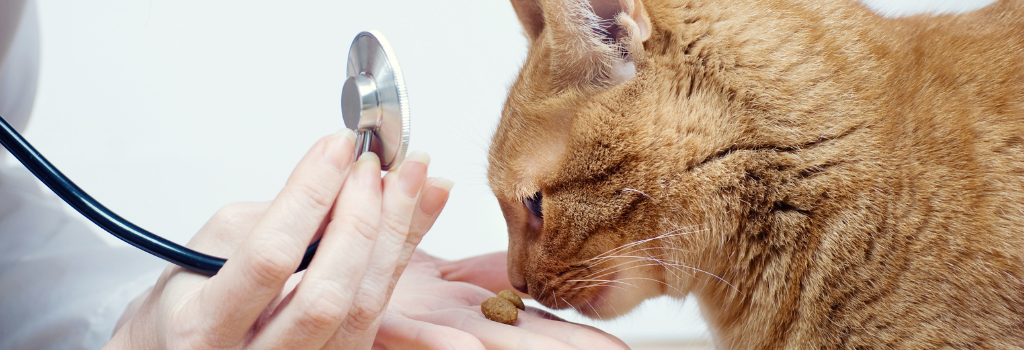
pixel 609 303
pixel 602 302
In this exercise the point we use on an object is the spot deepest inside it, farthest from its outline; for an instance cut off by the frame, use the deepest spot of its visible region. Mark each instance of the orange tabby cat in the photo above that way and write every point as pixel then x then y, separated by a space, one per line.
pixel 817 176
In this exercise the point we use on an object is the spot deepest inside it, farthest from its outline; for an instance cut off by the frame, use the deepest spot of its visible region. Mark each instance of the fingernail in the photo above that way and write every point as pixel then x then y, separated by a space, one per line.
pixel 437 195
pixel 341 148
pixel 347 133
pixel 367 170
pixel 412 173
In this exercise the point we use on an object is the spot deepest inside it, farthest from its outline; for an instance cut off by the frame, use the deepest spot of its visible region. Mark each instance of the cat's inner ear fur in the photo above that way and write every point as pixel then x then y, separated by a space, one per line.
pixel 531 16
pixel 596 42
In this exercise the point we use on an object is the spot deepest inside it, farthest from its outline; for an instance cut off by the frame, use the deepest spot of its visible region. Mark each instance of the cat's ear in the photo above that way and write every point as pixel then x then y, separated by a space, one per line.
pixel 624 15
pixel 596 42
pixel 531 16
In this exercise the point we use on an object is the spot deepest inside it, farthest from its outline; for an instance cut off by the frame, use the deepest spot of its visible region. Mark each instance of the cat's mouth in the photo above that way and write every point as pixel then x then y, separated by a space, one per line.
pixel 588 297
pixel 601 291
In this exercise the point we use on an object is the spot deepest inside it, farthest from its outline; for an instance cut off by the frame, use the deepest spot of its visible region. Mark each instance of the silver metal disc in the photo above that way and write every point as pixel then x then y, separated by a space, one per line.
pixel 371 57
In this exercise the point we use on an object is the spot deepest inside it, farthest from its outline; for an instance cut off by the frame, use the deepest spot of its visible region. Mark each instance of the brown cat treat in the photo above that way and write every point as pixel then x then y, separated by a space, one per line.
pixel 815 175
pixel 513 298
pixel 499 310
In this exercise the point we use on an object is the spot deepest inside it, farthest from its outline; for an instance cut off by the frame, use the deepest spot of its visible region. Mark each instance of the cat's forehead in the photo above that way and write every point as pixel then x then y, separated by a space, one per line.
pixel 542 140
pixel 529 144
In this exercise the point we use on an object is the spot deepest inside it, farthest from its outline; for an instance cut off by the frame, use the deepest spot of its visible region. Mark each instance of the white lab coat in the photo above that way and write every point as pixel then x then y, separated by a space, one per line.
pixel 61 286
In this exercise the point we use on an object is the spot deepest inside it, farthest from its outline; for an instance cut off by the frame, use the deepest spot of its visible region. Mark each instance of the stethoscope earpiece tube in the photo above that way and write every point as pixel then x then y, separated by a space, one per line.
pixel 108 220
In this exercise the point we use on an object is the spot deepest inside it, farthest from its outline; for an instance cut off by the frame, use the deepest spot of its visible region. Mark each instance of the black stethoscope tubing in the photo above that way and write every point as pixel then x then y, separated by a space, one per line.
pixel 108 220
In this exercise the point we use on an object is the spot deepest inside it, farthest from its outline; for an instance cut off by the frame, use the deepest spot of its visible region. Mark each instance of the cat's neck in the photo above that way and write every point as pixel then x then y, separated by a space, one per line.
pixel 801 87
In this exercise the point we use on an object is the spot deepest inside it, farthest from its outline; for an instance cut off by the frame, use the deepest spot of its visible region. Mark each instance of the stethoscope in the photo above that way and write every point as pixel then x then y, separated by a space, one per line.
pixel 373 102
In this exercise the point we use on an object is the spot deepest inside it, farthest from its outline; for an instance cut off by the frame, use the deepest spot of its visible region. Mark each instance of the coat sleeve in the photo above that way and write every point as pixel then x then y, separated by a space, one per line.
pixel 61 285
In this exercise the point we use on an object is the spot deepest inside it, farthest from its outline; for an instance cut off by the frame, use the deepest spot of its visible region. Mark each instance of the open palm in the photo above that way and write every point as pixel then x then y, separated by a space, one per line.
pixel 432 308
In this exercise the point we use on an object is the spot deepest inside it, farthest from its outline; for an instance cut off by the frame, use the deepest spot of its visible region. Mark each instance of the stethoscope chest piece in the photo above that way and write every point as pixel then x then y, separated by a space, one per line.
pixel 373 100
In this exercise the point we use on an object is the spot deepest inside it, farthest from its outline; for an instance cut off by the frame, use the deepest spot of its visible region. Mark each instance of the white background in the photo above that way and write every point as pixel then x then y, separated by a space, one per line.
pixel 167 110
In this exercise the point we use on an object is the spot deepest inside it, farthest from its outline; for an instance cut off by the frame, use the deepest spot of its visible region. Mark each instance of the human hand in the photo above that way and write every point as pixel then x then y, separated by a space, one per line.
pixel 489 271
pixel 368 228
pixel 427 311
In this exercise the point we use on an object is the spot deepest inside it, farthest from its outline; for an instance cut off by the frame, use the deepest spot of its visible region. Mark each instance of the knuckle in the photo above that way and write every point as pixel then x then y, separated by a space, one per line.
pixel 232 210
pixel 397 223
pixel 364 314
pixel 365 226
pixel 315 195
pixel 320 310
pixel 235 214
pixel 270 265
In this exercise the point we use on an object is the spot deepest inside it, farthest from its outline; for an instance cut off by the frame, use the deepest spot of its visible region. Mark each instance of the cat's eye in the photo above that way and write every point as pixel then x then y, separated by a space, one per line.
pixel 533 204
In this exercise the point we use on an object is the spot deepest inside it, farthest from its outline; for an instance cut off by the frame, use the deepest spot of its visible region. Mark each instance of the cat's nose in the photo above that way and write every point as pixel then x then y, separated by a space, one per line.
pixel 521 286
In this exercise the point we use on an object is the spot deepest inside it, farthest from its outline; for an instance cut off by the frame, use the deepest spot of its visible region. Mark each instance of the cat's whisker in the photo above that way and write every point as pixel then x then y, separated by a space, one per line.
pixel 606 284
pixel 627 255
pixel 630 256
pixel 645 250
pixel 591 305
pixel 640 192
pixel 720 279
pixel 674 233
pixel 571 306
pixel 603 282
pixel 605 258
pixel 556 297
pixel 680 292
pixel 667 264
pixel 672 272
pixel 627 262
pixel 605 272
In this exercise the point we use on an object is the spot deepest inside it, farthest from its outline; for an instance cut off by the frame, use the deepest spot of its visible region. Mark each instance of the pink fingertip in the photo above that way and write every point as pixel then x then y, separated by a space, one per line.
pixel 340 149
pixel 436 196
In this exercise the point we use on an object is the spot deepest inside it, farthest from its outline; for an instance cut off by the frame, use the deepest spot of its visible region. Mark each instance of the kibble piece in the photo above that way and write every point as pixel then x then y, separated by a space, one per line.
pixel 512 297
pixel 499 310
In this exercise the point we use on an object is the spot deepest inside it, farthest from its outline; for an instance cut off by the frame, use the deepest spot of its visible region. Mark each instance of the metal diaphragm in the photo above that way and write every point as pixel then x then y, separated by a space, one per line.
pixel 373 100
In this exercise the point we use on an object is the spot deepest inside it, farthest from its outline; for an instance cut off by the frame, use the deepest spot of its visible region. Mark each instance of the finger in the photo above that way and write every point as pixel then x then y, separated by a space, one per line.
pixel 433 198
pixel 492 334
pixel 324 297
pixel 254 275
pixel 432 201
pixel 398 333
pixel 489 271
pixel 228 228
pixel 401 192
pixel 222 235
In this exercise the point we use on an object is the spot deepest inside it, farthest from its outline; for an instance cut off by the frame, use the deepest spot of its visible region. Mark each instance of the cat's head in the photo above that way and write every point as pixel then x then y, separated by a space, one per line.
pixel 572 161
pixel 631 140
